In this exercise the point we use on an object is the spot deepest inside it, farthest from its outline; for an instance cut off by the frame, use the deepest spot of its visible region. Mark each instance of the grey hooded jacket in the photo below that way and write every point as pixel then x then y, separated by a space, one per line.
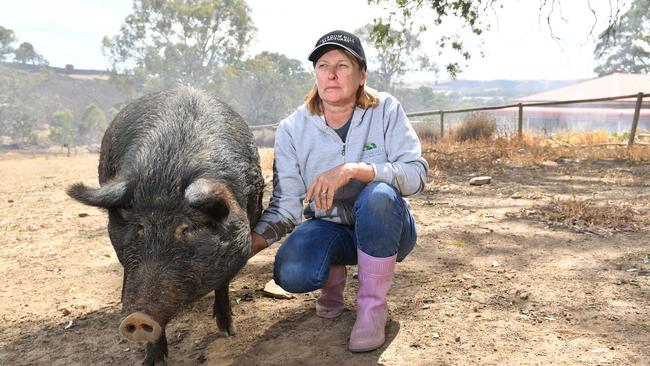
pixel 306 147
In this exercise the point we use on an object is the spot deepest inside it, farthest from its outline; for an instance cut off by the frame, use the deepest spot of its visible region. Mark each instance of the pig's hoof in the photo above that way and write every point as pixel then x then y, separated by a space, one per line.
pixel 154 360
pixel 156 352
pixel 154 363
pixel 228 332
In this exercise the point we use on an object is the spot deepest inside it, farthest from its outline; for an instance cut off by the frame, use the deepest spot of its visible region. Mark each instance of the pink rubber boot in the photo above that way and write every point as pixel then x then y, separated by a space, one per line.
pixel 375 278
pixel 330 303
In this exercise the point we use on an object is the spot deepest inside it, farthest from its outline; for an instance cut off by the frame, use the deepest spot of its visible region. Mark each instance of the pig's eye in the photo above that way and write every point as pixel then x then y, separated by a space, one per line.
pixel 182 231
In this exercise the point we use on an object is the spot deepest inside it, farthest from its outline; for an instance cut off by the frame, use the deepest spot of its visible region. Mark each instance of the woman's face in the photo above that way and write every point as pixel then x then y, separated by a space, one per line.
pixel 338 78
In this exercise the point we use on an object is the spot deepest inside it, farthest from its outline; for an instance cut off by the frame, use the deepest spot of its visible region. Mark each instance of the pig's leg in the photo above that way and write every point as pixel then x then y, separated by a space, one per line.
pixel 156 352
pixel 221 311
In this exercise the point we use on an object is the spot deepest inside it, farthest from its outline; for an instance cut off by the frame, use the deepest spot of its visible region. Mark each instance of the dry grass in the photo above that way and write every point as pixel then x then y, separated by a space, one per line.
pixel 475 127
pixel 447 154
pixel 584 215
pixel 427 132
pixel 591 138
pixel 266 159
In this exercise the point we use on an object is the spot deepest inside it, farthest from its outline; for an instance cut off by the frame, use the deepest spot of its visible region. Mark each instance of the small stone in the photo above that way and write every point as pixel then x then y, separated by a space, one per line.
pixel 65 312
pixel 495 264
pixel 83 214
pixel 479 181
pixel 523 296
pixel 271 289
pixel 516 195
pixel 69 325
pixel 10 201
pixel 564 160
pixel 598 350
pixel 435 335
pixel 457 339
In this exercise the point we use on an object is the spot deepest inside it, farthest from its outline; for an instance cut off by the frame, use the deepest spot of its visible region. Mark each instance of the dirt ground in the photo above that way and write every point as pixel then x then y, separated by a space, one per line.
pixel 489 283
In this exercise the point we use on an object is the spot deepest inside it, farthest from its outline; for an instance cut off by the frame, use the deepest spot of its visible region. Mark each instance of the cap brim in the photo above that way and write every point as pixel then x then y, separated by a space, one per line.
pixel 317 52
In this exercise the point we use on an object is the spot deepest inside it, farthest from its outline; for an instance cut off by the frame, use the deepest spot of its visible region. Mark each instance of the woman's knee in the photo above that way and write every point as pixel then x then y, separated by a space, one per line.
pixel 299 261
pixel 378 199
pixel 295 276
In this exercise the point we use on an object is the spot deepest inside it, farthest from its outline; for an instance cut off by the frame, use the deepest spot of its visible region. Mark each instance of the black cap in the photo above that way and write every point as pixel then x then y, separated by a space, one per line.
pixel 338 39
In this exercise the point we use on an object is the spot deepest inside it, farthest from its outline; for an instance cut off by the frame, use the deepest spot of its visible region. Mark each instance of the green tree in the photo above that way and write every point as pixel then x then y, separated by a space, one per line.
pixel 397 53
pixel 21 128
pixel 18 105
pixel 7 37
pixel 626 47
pixel 26 54
pixel 267 88
pixel 62 129
pixel 92 125
pixel 415 99
pixel 475 17
pixel 404 12
pixel 181 41
pixel 110 114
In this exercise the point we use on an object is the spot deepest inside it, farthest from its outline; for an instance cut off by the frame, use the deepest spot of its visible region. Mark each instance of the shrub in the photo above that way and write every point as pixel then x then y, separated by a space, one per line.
pixel 427 132
pixel 476 126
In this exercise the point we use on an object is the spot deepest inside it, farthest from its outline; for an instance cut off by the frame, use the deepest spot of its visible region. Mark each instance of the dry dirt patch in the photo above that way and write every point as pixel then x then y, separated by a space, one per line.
pixel 481 287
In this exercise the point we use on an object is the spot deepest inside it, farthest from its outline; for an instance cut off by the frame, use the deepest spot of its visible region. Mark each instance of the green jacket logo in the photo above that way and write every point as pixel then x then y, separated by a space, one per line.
pixel 369 146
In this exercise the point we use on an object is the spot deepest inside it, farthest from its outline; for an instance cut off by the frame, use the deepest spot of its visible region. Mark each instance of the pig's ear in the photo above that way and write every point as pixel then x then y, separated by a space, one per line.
pixel 110 195
pixel 212 197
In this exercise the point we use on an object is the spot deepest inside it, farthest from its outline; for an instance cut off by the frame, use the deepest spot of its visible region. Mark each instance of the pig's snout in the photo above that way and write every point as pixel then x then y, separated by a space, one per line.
pixel 140 327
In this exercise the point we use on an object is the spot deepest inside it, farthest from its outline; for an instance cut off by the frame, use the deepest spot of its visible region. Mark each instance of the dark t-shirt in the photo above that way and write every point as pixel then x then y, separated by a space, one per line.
pixel 343 130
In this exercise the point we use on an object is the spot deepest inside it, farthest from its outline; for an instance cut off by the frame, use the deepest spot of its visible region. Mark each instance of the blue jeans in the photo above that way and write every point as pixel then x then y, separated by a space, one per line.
pixel 384 227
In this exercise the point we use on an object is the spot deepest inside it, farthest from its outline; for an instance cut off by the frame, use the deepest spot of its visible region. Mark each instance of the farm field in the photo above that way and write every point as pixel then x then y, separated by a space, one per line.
pixel 547 264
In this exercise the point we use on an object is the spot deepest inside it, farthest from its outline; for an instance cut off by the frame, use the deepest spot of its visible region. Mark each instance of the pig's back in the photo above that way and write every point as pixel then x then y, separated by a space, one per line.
pixel 163 141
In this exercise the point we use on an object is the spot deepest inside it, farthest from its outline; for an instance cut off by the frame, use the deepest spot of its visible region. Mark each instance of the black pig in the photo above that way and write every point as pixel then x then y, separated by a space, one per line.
pixel 180 177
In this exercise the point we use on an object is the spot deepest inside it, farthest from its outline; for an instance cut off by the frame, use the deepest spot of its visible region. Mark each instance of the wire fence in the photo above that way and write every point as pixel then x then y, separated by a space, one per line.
pixel 544 116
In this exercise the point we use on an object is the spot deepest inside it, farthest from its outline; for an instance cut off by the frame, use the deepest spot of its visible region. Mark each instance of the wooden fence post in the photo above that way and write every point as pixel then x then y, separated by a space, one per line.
pixel 520 121
pixel 635 119
pixel 442 124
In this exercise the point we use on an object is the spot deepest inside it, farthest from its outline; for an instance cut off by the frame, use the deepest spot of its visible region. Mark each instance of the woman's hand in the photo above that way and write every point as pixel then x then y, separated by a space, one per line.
pixel 326 184
pixel 258 243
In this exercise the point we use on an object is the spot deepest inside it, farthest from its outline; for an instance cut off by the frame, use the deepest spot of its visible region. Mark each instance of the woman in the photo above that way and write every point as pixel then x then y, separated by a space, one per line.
pixel 349 155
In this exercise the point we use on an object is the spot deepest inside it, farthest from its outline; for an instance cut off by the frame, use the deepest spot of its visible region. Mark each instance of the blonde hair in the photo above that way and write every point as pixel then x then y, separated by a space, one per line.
pixel 366 96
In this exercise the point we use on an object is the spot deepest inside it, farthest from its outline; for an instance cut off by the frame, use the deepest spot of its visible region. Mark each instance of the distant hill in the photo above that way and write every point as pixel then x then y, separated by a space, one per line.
pixel 44 90
pixel 68 70
pixel 459 94
pixel 498 88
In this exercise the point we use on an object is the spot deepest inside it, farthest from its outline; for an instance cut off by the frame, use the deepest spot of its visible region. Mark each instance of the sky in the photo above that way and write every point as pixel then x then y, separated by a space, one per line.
pixel 519 45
